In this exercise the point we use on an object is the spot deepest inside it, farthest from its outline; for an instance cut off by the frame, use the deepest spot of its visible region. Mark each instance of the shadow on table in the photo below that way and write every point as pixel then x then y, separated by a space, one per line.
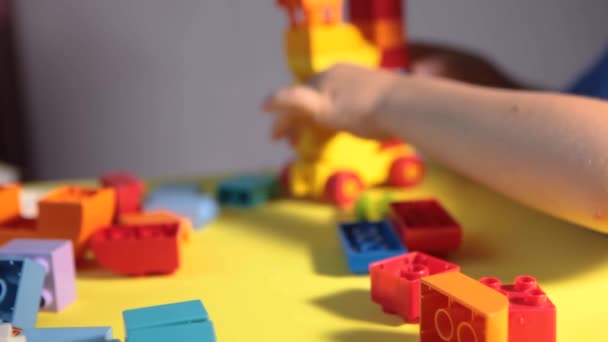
pixel 372 336
pixel 501 237
pixel 356 304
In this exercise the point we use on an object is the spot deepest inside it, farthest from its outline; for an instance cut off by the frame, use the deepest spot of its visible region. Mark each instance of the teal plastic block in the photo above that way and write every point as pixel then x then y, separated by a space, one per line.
pixel 21 283
pixel 193 332
pixel 246 191
pixel 92 334
pixel 183 313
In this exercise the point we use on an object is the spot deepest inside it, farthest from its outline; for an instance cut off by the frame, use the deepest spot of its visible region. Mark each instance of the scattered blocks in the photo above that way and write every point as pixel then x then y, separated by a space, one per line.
pixel 185 201
pixel 246 191
pixel 532 315
pixel 20 288
pixel 138 250
pixel 455 308
pixel 129 191
pixel 368 242
pixel 57 258
pixel 395 282
pixel 185 321
pixel 75 213
pixel 87 334
pixel 426 226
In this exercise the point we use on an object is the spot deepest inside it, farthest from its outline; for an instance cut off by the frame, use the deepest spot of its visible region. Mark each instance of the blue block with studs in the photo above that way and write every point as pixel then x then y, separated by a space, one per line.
pixel 21 282
pixel 367 242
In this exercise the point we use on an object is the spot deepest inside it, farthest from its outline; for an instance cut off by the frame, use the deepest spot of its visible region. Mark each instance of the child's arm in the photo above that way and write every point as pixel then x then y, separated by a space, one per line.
pixel 548 151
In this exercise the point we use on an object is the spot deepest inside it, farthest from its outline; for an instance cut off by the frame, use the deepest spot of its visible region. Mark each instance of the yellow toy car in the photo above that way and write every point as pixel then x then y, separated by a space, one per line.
pixel 337 166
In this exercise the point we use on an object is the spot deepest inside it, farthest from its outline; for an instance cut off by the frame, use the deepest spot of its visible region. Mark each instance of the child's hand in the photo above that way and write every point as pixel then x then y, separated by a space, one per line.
pixel 457 64
pixel 345 97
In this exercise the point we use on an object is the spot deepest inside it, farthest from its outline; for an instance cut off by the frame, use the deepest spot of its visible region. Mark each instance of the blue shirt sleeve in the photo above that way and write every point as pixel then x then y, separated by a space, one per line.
pixel 594 82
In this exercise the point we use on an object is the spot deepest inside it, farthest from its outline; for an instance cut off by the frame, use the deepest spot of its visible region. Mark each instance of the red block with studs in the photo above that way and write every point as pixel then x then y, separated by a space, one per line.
pixel 365 10
pixel 138 250
pixel 532 315
pixel 425 226
pixel 396 282
pixel 129 191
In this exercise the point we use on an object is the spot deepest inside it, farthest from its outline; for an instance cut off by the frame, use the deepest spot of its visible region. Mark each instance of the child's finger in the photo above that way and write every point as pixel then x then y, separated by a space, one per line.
pixel 298 100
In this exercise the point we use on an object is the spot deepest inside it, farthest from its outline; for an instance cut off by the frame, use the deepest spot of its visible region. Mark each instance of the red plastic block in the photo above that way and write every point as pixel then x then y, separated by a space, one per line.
pixel 426 226
pixel 138 250
pixel 375 9
pixel 395 58
pixel 129 191
pixel 531 313
pixel 396 282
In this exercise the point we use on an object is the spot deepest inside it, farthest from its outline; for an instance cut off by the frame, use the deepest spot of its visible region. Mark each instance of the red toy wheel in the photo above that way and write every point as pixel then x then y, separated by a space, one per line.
pixel 406 172
pixel 343 188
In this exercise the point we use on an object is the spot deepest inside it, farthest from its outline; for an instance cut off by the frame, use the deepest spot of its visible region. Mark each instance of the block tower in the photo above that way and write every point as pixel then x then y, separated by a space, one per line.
pixel 337 166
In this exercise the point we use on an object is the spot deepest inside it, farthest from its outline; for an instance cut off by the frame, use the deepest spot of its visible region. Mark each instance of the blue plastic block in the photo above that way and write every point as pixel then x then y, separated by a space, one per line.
pixel 21 283
pixel 246 191
pixel 193 332
pixel 177 189
pixel 93 334
pixel 199 208
pixel 367 242
pixel 183 313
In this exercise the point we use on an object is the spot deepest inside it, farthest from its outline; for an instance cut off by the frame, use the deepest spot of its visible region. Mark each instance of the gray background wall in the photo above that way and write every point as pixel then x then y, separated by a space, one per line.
pixel 174 87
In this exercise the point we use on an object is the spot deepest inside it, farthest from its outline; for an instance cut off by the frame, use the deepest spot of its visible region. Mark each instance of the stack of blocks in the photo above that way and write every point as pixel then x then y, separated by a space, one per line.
pixel 184 322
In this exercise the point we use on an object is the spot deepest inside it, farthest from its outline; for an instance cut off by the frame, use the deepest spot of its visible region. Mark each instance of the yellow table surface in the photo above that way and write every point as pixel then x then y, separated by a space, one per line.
pixel 278 273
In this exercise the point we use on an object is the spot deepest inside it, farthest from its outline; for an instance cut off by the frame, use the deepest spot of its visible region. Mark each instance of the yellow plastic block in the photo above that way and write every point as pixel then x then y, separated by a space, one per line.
pixel 455 308
pixel 312 50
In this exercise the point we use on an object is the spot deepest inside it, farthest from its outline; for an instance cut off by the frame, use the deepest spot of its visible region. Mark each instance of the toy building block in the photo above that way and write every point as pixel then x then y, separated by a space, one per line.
pixel 75 213
pixel 369 10
pixel 395 282
pixel 185 321
pixel 81 334
pixel 129 191
pixel 383 33
pixel 372 208
pixel 314 12
pixel 199 208
pixel 246 191
pixel 160 217
pixel 426 226
pixel 138 250
pixel 9 202
pixel 10 334
pixel 532 315
pixel 367 242
pixel 395 58
pixel 20 288
pixel 454 307
pixel 57 258
pixel 12 223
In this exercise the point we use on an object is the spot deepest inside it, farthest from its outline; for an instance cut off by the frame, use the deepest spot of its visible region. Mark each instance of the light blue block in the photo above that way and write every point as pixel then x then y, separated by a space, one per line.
pixel 199 208
pixel 192 332
pixel 21 282
pixel 183 313
pixel 175 189
pixel 93 334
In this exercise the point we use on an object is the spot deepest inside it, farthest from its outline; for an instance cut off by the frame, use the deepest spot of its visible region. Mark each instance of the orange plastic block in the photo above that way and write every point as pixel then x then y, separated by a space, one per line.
pixel 384 33
pixel 456 308
pixel 9 202
pixel 138 250
pixel 75 213
pixel 312 12
pixel 160 217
